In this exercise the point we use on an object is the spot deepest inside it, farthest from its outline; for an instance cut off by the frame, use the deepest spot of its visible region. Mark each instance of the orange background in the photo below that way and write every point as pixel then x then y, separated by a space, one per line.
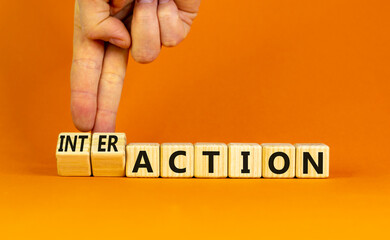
pixel 250 71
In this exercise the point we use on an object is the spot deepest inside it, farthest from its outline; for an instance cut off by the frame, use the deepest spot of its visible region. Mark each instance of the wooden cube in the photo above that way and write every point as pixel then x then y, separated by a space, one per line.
pixel 278 160
pixel 177 160
pixel 244 160
pixel 73 154
pixel 211 160
pixel 108 156
pixel 312 160
pixel 143 160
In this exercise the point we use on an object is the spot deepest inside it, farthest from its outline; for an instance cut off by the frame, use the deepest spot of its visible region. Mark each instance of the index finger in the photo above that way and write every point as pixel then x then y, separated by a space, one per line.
pixel 85 73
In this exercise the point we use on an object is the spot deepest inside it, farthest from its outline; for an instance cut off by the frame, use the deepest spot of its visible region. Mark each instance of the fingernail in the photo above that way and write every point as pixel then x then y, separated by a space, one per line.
pixel 163 1
pixel 145 1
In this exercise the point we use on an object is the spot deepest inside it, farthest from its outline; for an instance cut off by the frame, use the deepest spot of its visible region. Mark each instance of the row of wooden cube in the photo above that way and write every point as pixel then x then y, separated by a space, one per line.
pixel 106 154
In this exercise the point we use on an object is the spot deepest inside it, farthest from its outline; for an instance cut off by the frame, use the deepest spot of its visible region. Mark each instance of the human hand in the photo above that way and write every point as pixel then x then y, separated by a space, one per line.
pixel 104 31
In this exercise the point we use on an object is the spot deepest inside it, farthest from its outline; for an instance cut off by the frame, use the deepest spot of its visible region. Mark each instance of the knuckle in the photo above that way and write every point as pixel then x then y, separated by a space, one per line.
pixel 172 41
pixel 144 16
pixel 82 95
pixel 164 13
pixel 88 32
pixel 86 63
pixel 112 78
pixel 173 38
pixel 106 111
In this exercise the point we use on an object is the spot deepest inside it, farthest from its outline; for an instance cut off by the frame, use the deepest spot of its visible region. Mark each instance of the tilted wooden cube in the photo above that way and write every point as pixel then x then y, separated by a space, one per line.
pixel 245 160
pixel 108 156
pixel 211 160
pixel 312 160
pixel 73 154
pixel 177 160
pixel 278 160
pixel 143 160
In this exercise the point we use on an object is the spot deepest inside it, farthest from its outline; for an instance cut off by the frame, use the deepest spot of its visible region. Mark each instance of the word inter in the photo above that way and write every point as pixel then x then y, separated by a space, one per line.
pixel 108 154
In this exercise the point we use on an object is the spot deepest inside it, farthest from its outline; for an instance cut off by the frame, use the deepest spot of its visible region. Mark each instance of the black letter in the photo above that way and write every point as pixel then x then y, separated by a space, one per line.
pixel 318 168
pixel 101 143
pixel 61 143
pixel 245 168
pixel 138 164
pixel 69 141
pixel 82 137
pixel 272 162
pixel 211 155
pixel 172 162
pixel 112 143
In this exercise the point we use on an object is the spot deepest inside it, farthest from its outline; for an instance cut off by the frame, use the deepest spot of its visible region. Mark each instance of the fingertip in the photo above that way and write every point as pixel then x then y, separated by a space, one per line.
pixel 144 56
pixel 119 36
pixel 82 128
pixel 145 32
pixel 110 30
pixel 81 124
pixel 171 41
pixel 105 121
pixel 122 43
pixel 83 114
pixel 171 26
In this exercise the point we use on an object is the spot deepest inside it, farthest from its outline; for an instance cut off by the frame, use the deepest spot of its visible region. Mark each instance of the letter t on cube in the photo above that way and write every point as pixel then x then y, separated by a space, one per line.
pixel 211 160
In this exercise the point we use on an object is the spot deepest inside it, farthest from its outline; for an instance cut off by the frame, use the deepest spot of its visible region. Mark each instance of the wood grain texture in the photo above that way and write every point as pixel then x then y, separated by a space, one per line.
pixel 202 160
pixel 76 161
pixel 245 160
pixel 283 155
pixel 148 157
pixel 183 163
pixel 319 153
pixel 108 159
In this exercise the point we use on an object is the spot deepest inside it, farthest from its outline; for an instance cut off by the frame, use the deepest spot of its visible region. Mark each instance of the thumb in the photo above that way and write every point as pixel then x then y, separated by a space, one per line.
pixel 97 24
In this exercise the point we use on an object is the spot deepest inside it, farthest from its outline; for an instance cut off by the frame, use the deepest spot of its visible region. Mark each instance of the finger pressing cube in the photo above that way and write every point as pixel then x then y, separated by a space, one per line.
pixel 108 156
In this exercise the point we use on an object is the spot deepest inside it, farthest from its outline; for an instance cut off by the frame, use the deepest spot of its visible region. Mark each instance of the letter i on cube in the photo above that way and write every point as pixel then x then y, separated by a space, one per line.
pixel 73 154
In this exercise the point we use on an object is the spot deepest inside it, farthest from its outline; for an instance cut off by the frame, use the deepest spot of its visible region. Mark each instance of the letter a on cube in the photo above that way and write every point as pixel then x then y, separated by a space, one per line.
pixel 143 160
pixel 73 154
